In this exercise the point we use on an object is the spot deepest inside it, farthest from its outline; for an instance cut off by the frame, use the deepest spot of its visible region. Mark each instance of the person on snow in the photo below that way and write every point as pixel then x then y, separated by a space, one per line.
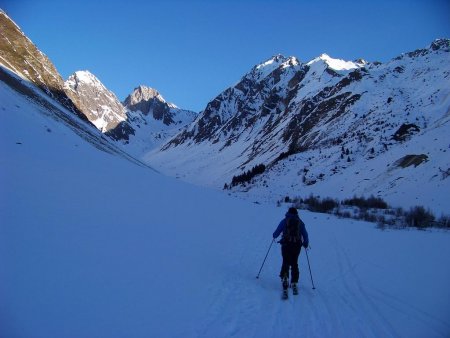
pixel 294 237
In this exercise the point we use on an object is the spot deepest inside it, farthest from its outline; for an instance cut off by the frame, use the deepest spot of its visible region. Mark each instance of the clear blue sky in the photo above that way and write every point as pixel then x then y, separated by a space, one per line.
pixel 192 50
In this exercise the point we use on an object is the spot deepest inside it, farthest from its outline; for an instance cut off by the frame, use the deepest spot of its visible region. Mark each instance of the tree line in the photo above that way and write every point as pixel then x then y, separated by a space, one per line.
pixel 246 176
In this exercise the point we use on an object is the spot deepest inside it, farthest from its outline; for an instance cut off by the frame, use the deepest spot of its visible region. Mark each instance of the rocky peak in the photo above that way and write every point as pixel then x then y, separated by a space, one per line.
pixel 327 61
pixel 98 104
pixel 264 69
pixel 143 94
pixel 438 44
pixel 84 77
pixel 21 56
pixel 361 62
pixel 150 102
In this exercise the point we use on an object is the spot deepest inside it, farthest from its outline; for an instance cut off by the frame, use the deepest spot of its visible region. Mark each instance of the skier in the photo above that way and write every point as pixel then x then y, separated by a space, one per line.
pixel 294 236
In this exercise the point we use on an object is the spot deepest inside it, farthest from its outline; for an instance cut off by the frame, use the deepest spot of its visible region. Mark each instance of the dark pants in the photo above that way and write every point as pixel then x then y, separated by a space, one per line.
pixel 290 253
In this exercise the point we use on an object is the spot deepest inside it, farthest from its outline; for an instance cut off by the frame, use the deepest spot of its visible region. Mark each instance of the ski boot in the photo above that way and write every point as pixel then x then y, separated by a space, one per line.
pixel 294 288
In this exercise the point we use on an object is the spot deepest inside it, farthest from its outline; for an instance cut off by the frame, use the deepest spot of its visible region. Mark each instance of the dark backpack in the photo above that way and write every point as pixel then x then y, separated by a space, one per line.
pixel 291 233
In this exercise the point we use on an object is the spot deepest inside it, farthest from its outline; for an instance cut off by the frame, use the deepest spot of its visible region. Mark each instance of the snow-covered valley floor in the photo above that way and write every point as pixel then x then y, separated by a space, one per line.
pixel 92 245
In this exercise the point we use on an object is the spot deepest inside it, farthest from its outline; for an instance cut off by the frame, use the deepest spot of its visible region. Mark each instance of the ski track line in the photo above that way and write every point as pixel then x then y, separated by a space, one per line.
pixel 348 293
pixel 412 311
pixel 337 299
pixel 353 290
pixel 317 303
pixel 214 312
pixel 384 324
pixel 284 323
pixel 319 324
pixel 232 303
pixel 225 310
pixel 235 300
pixel 329 310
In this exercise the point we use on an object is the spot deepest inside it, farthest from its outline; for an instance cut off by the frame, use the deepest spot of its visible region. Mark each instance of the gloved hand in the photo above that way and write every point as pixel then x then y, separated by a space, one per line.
pixel 305 244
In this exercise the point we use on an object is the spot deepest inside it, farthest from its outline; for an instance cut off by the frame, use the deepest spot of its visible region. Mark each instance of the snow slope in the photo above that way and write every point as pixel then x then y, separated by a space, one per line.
pixel 92 245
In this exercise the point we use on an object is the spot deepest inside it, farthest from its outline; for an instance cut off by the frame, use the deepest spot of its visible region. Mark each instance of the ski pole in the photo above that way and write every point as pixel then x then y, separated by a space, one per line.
pixel 306 250
pixel 265 258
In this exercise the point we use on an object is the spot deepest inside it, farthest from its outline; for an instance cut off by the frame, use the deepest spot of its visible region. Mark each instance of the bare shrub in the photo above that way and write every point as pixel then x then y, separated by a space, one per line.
pixel 419 217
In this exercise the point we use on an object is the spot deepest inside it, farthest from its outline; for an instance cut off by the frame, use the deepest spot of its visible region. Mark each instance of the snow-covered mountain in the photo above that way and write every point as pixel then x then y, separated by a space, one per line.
pixel 142 122
pixel 154 119
pixel 144 116
pixel 150 102
pixel 98 104
pixel 328 127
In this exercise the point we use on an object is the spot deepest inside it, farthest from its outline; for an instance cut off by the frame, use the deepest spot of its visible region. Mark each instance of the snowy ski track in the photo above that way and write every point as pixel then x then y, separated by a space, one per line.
pixel 346 301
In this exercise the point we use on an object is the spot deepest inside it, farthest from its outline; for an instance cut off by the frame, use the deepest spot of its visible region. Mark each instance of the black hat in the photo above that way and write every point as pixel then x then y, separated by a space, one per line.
pixel 293 211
